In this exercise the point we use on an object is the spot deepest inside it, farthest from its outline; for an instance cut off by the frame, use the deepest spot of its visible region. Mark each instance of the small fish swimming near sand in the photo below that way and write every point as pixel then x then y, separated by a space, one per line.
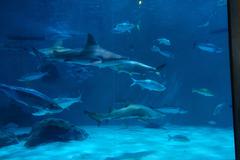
pixel 149 85
pixel 131 111
pixel 32 76
pixel 124 27
pixel 179 138
pixel 164 41
pixel 166 54
pixel 36 100
pixel 173 110
pixel 209 47
pixel 203 91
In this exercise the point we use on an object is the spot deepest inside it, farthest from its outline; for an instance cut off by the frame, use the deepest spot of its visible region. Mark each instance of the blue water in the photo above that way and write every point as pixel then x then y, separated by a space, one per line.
pixel 39 24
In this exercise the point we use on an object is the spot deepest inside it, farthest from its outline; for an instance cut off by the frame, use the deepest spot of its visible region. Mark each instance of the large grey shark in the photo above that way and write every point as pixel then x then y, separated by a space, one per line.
pixel 132 111
pixel 40 102
pixel 91 54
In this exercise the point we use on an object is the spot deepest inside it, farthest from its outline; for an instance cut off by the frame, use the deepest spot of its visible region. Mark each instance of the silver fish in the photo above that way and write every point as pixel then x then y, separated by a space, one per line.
pixel 33 99
pixel 173 110
pixel 209 47
pixel 164 41
pixel 123 27
pixel 32 76
pixel 166 54
pixel 149 85
pixel 132 111
pixel 179 138
pixel 203 91
pixel 136 68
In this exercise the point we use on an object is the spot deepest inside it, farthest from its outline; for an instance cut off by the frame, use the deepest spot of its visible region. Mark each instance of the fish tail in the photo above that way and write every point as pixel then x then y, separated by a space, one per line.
pixel 94 116
pixel 159 68
pixel 169 137
pixel 3 86
pixel 38 54
pixel 134 82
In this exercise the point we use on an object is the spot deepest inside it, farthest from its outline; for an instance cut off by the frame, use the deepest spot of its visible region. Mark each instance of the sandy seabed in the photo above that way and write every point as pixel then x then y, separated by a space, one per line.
pixel 133 143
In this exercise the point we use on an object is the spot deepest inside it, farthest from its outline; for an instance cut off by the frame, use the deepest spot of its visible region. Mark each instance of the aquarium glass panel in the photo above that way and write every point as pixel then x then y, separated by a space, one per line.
pixel 115 80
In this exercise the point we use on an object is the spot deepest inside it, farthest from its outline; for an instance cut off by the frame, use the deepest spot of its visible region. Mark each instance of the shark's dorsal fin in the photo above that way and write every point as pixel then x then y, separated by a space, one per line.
pixel 90 41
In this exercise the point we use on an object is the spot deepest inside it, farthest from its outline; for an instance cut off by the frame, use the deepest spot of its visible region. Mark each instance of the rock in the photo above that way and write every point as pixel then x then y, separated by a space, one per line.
pixel 7 138
pixel 54 130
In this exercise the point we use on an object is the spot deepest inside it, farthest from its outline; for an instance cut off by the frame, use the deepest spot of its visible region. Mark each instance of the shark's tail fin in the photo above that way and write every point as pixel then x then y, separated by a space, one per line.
pixel 134 82
pixel 169 137
pixel 94 116
pixel 159 68
pixel 38 54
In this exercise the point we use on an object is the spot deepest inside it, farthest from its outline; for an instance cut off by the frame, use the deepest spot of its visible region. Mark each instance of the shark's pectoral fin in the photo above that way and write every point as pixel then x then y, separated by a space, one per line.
pixel 40 113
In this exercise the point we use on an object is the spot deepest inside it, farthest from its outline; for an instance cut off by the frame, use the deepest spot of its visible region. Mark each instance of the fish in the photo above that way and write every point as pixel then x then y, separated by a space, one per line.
pixel 179 138
pixel 32 76
pixel 206 24
pixel 123 28
pixel 131 111
pixel 164 41
pixel 131 155
pixel 218 109
pixel 136 68
pixel 203 91
pixel 65 102
pixel 166 54
pixel 219 31
pixel 209 47
pixel 173 110
pixel 212 122
pixel 149 85
pixel 92 54
pixel 34 99
pixel 221 3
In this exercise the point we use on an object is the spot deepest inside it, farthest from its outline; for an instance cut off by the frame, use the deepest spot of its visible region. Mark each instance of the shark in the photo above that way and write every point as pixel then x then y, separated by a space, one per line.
pixel 41 103
pixel 92 54
pixel 131 111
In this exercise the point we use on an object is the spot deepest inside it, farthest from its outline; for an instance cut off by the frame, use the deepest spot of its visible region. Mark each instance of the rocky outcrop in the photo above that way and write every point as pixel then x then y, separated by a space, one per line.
pixel 54 130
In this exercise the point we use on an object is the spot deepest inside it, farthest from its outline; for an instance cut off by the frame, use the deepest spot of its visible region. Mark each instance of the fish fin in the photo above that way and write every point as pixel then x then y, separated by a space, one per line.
pixel 90 41
pixel 94 116
pixel 134 82
pixel 159 68
pixel 21 102
pixel 40 113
